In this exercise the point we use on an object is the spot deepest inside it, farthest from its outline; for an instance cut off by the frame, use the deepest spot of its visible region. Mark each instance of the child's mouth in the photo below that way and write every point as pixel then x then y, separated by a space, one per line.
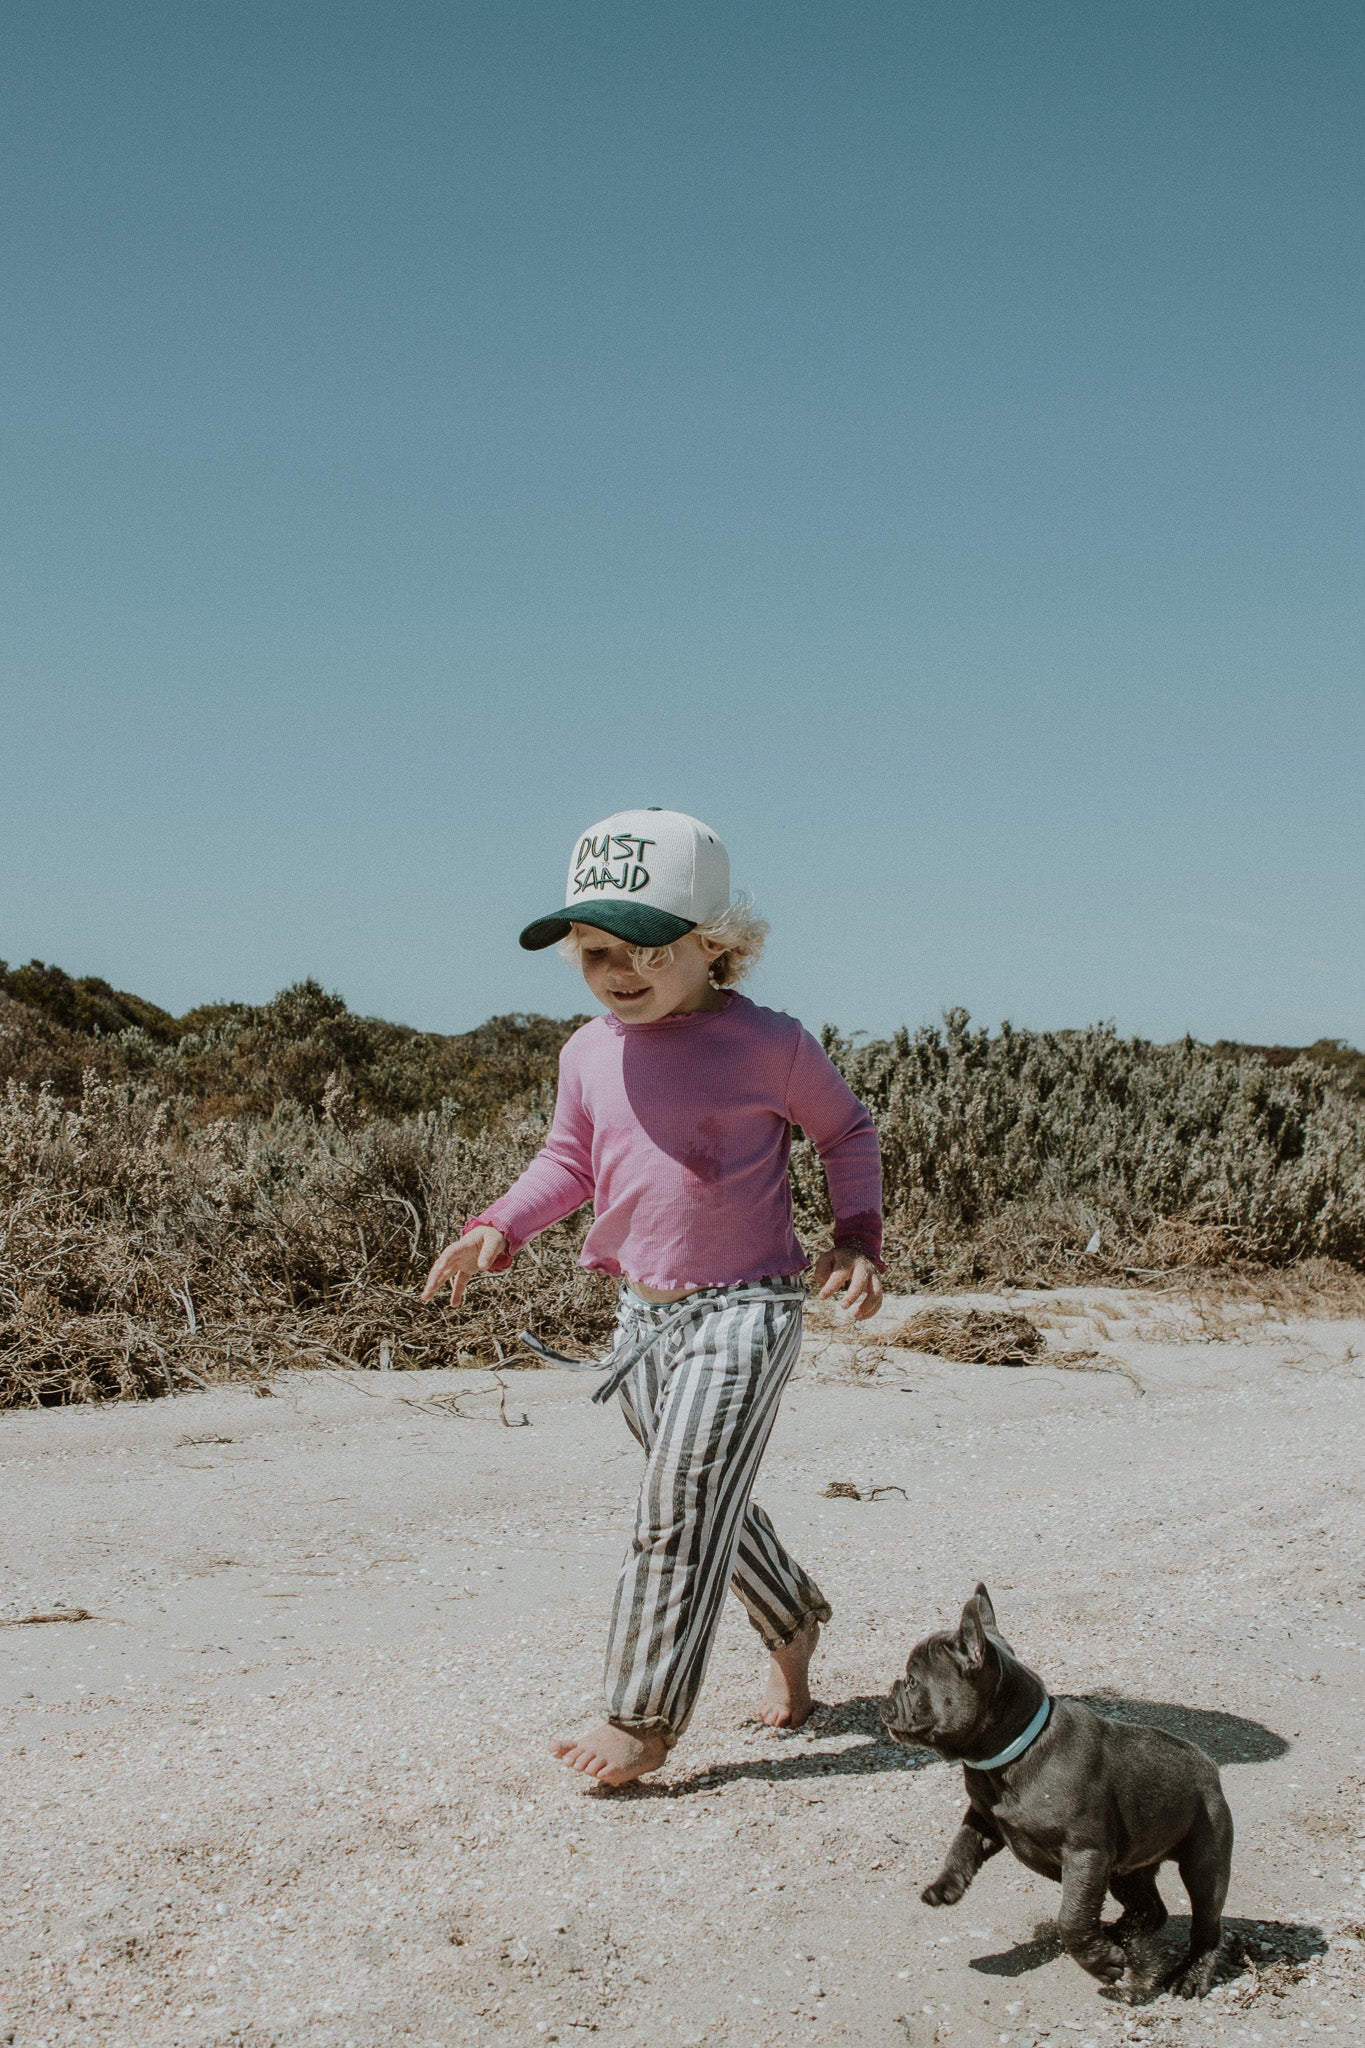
pixel 632 995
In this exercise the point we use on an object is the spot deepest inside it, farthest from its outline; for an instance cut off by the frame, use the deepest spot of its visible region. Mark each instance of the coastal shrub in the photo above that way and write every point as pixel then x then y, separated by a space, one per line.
pixel 87 1005
pixel 1005 1156
pixel 243 1059
pixel 269 1186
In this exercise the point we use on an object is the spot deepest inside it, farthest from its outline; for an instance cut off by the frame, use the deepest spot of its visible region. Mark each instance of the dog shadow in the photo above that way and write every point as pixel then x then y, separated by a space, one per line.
pixel 1265 1956
pixel 1226 1738
pixel 875 1756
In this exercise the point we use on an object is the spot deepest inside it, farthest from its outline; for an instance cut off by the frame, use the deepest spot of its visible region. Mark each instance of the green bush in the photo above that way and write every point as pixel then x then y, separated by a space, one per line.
pixel 89 1005
pixel 1003 1155
pixel 306 1047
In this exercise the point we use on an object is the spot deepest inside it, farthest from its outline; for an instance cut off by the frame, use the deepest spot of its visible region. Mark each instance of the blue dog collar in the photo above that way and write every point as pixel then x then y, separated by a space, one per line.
pixel 1014 1750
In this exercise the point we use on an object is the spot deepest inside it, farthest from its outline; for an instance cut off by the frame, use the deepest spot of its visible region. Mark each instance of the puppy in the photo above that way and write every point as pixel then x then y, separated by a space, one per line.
pixel 1082 1799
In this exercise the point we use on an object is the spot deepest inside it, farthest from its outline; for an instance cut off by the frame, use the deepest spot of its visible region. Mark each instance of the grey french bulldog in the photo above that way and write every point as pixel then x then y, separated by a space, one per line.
pixel 1075 1797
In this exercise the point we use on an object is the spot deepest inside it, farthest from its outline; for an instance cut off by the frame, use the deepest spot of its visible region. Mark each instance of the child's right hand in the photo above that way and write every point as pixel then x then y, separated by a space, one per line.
pixel 475 1252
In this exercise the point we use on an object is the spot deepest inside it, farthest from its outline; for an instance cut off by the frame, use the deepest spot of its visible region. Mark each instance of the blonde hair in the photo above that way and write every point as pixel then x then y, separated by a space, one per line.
pixel 738 929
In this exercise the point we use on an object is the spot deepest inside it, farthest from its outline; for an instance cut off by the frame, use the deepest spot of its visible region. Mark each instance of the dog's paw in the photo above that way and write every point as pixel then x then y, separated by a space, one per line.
pixel 1103 1959
pixel 1194 1979
pixel 944 1891
pixel 1135 1926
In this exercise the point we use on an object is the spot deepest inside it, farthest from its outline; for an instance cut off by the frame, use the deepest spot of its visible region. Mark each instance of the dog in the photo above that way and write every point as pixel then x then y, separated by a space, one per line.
pixel 1076 1797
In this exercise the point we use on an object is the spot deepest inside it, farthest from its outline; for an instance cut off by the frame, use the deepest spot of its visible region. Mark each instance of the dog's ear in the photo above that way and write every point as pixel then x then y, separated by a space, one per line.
pixel 982 1601
pixel 971 1635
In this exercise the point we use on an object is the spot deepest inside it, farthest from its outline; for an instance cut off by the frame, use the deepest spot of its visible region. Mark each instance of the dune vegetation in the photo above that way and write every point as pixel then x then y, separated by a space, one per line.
pixel 251 1186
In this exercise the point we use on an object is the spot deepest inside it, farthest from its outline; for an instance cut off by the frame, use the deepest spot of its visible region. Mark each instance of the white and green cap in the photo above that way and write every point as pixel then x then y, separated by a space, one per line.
pixel 645 876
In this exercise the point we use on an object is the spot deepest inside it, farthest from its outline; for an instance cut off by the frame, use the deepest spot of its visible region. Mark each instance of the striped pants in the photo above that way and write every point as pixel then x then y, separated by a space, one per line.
pixel 702 1401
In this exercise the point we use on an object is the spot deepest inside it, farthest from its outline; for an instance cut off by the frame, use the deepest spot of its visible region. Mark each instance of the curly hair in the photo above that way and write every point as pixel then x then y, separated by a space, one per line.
pixel 737 928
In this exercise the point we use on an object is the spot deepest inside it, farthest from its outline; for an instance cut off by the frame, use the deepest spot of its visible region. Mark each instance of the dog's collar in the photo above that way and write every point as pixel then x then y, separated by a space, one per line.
pixel 1013 1750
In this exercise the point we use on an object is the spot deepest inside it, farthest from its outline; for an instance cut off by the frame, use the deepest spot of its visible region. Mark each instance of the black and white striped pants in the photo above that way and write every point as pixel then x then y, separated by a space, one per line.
pixel 702 1400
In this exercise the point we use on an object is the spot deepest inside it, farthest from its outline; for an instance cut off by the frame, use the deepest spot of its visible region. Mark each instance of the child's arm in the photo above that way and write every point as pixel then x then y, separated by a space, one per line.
pixel 820 1100
pixel 558 1181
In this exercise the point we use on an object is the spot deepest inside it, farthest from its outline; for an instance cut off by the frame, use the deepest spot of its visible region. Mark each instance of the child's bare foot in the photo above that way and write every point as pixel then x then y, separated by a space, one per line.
pixel 612 1755
pixel 786 1701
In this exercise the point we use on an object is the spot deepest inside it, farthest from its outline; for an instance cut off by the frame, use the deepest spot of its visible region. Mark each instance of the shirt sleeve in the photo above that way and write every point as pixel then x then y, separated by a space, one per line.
pixel 844 1135
pixel 558 1180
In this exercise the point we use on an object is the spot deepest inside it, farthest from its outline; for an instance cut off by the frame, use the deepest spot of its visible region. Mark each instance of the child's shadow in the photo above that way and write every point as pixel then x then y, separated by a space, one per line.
pixel 860 1716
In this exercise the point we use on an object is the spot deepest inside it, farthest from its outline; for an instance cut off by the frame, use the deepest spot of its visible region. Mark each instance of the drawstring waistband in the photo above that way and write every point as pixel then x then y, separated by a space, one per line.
pixel 626 1353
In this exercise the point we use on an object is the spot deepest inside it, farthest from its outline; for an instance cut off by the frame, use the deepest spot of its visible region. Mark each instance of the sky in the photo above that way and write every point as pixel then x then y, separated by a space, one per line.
pixel 922 440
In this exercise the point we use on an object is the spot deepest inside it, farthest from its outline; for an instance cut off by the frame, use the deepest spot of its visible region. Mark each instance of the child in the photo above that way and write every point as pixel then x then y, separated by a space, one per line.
pixel 674 1117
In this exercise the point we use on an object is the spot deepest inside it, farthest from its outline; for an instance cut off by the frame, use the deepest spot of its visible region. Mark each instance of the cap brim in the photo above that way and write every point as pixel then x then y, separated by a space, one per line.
pixel 637 923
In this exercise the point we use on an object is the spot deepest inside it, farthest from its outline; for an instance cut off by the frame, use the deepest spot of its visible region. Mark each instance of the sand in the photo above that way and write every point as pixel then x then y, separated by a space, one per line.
pixel 288 1783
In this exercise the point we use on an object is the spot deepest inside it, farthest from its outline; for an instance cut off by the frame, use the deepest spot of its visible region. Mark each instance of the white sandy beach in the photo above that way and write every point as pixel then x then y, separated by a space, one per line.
pixel 289 1784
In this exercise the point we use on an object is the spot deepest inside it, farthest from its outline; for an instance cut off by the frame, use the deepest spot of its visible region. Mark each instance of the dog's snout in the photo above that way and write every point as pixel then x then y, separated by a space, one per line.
pixel 899 1720
pixel 893 1707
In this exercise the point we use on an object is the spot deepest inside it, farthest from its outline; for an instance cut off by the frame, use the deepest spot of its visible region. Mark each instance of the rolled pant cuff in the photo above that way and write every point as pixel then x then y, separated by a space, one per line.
pixel 822 1613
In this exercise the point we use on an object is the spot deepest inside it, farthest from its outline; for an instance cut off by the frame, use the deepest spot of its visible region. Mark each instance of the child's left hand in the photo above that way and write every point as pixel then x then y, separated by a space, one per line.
pixel 855 1274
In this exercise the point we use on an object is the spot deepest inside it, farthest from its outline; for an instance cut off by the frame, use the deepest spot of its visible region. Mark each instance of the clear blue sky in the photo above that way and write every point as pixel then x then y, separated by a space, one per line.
pixel 923 440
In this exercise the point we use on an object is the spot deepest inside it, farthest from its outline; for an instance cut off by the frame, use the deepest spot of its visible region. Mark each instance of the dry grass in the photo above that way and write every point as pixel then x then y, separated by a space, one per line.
pixel 971 1336
pixel 140 1253
pixel 997 1337
pixel 1312 1287
pixel 1255 1976
pixel 844 1489
pixel 54 1614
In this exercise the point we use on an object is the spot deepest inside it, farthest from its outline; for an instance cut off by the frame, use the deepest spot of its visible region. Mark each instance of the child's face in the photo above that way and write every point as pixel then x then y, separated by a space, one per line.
pixel 643 998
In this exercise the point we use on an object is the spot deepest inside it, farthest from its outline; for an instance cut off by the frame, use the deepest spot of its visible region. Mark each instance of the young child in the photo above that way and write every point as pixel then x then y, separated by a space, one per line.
pixel 674 1117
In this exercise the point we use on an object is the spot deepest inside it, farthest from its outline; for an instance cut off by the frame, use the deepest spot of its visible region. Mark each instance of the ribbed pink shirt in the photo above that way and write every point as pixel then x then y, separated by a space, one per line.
pixel 679 1133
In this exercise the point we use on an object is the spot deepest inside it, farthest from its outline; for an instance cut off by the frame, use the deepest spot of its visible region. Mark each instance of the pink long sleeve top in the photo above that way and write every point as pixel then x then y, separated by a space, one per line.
pixel 679 1133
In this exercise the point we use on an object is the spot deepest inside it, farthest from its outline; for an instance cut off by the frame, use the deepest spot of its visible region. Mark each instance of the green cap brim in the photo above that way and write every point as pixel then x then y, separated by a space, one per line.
pixel 637 923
